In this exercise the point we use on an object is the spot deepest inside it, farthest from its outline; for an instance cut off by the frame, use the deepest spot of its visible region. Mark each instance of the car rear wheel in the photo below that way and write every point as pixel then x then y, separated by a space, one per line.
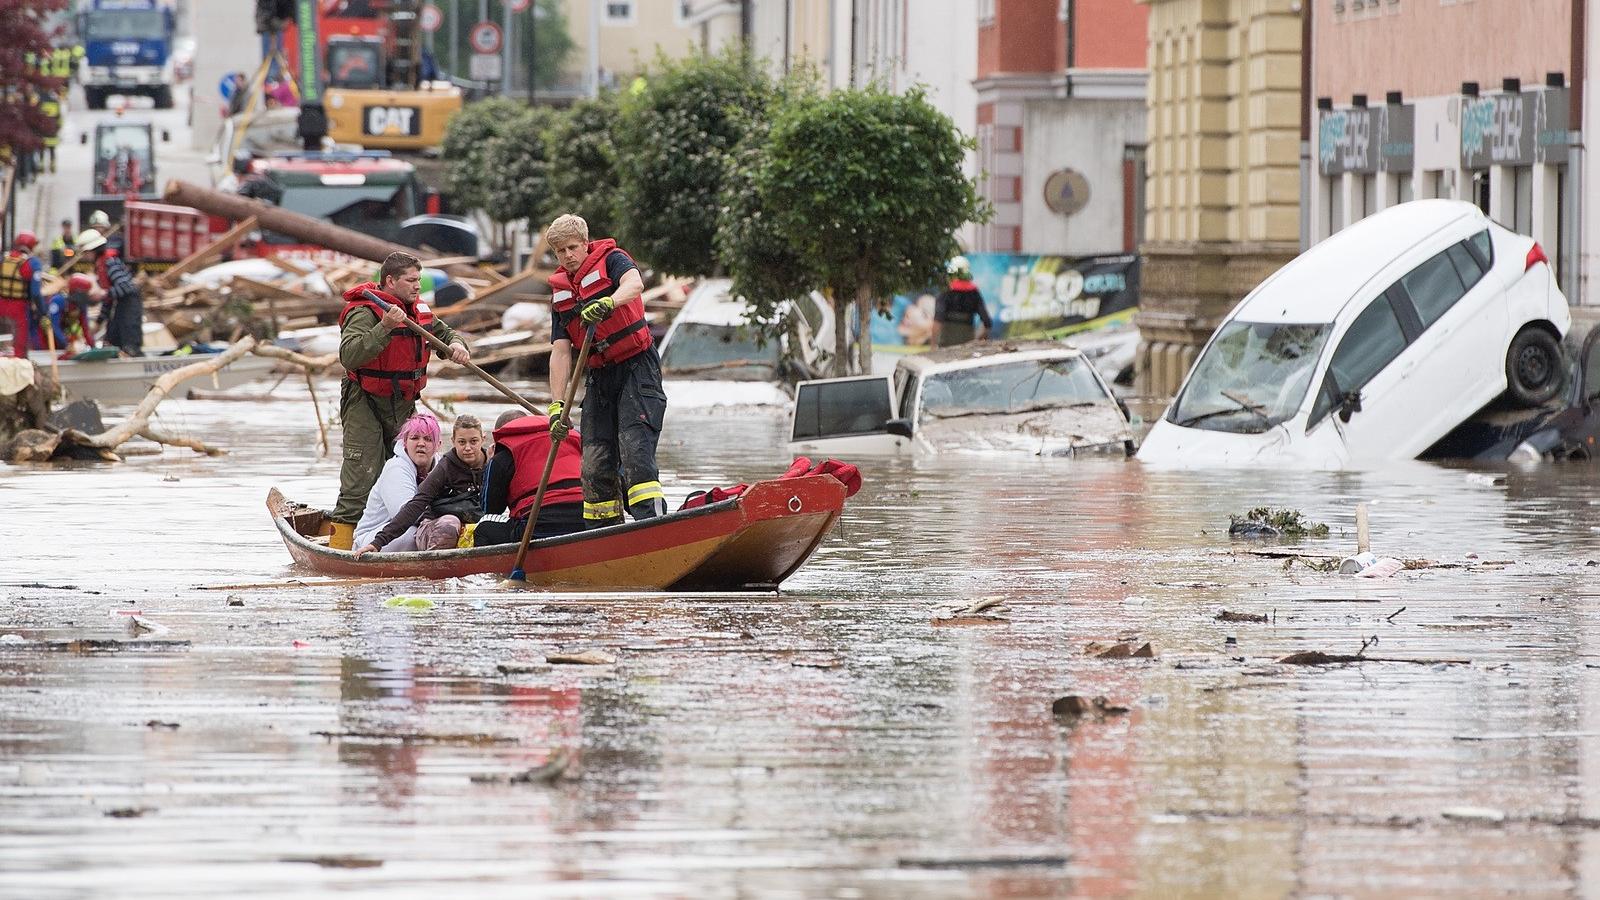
pixel 1534 370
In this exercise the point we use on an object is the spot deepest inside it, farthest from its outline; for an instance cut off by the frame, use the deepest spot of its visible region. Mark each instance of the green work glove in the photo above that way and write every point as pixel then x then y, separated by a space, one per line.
pixel 556 407
pixel 596 310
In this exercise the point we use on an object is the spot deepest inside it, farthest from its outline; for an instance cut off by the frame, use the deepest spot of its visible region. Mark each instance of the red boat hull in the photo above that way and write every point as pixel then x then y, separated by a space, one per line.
pixel 753 541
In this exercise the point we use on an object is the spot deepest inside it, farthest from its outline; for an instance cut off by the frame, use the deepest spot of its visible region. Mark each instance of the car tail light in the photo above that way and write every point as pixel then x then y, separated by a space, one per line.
pixel 1535 255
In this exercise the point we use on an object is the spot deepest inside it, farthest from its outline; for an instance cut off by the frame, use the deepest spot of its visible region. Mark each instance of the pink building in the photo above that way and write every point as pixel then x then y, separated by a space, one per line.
pixel 1468 99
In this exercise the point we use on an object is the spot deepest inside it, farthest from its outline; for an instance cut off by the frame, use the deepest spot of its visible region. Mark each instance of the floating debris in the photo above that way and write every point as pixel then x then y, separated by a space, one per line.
pixel 1073 706
pixel 586 658
pixel 1267 522
pixel 1226 616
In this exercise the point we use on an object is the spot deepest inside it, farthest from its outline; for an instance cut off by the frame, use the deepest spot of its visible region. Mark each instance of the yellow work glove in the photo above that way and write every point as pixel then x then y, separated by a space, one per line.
pixel 596 310
pixel 558 426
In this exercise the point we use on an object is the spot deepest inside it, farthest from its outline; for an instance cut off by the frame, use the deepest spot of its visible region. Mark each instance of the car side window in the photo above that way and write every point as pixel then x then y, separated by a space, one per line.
pixel 1373 341
pixel 1434 287
pixel 1484 246
pixel 1466 264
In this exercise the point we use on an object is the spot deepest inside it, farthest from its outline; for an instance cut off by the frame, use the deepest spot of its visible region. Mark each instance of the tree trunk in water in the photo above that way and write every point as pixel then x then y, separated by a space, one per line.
pixel 864 310
pixel 841 334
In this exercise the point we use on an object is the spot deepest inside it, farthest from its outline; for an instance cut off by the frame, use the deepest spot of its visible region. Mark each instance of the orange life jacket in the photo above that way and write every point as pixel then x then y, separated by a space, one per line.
pixel 401 370
pixel 621 335
pixel 528 439
pixel 15 276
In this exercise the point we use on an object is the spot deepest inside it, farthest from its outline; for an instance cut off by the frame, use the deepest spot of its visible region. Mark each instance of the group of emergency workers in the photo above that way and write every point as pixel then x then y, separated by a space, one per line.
pixel 59 318
pixel 609 461
pixel 51 103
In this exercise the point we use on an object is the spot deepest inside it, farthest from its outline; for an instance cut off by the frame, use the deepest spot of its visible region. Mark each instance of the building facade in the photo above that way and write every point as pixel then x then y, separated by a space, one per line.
pixel 1061 125
pixel 1223 193
pixel 1489 116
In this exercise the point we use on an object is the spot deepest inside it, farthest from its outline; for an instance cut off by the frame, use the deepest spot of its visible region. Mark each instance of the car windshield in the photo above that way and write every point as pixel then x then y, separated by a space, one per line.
pixel 1011 387
pixel 706 350
pixel 125 25
pixel 373 209
pixel 1252 377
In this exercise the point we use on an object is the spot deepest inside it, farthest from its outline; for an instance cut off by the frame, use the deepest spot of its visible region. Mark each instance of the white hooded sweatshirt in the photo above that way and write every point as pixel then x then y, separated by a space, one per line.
pixel 396 485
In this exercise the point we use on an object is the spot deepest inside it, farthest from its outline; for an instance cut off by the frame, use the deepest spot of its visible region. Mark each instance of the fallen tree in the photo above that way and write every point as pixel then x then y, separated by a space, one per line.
pixel 38 445
pixel 283 221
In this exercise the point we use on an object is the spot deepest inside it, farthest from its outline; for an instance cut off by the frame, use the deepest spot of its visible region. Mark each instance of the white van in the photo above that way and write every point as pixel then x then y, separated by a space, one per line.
pixel 1373 345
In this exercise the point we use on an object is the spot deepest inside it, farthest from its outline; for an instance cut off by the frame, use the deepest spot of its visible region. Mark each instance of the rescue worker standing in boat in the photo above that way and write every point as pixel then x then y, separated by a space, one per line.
pixel 387 366
pixel 598 286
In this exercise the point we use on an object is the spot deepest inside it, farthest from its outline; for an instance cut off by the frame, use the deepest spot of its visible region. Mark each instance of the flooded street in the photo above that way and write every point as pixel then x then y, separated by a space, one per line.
pixel 846 738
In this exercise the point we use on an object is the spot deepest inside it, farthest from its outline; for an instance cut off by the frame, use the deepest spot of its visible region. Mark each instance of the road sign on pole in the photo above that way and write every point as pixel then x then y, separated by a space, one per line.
pixel 484 67
pixel 520 5
pixel 431 18
pixel 486 37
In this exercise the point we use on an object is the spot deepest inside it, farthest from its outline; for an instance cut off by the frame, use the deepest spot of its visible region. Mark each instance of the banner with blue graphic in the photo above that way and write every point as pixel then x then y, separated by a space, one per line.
pixel 1027 297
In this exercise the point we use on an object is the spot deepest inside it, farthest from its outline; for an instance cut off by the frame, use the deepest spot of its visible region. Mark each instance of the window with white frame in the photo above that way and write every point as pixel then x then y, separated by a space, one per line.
pixel 620 12
pixel 985 11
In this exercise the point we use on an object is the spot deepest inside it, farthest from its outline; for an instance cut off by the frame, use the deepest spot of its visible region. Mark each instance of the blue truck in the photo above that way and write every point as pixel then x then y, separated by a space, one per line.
pixel 127 48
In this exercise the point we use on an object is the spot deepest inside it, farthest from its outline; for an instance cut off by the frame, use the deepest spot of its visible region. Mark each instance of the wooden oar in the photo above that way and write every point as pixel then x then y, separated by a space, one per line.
pixel 444 348
pixel 518 576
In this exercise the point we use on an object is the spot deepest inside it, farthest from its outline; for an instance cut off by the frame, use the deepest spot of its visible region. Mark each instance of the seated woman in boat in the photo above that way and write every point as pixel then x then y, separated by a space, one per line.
pixel 521 446
pixel 448 498
pixel 414 452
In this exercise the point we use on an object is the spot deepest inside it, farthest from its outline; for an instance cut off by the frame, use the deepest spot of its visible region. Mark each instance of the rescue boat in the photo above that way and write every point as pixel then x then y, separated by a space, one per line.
pixel 750 542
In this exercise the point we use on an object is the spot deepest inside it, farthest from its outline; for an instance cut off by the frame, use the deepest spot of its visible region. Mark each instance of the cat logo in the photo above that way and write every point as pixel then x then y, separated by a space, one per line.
pixel 391 120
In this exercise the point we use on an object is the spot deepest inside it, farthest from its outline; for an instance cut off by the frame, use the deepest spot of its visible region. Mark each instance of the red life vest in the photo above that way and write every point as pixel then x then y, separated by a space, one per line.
pixel 401 370
pixel 624 333
pixel 528 439
pixel 842 472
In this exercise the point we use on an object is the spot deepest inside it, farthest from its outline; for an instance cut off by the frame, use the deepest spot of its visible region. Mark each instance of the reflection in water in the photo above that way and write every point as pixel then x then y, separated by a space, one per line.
pixel 833 740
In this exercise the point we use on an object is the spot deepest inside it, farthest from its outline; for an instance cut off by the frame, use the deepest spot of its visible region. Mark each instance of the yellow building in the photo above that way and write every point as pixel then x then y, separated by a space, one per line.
pixel 1223 190
pixel 619 38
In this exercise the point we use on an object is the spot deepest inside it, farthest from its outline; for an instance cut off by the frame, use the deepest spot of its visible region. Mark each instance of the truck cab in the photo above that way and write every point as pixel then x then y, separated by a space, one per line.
pixel 370 192
pixel 127 48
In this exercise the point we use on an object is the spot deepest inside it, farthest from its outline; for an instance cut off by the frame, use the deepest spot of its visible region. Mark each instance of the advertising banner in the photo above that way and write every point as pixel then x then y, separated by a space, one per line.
pixel 1027 297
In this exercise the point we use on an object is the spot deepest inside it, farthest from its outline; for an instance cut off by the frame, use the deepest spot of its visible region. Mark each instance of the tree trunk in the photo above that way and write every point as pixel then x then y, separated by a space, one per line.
pixel 293 224
pixel 841 334
pixel 864 310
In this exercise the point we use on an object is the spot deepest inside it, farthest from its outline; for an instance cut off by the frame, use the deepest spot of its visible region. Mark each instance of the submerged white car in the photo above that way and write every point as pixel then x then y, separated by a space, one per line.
pixel 711 355
pixel 1038 397
pixel 1373 345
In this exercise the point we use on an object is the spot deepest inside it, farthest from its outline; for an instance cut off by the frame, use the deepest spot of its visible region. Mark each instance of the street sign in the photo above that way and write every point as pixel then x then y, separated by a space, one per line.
pixel 520 5
pixel 486 37
pixel 484 67
pixel 432 18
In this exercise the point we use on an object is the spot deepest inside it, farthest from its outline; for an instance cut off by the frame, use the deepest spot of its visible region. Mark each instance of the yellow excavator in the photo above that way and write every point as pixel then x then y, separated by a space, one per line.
pixel 375 85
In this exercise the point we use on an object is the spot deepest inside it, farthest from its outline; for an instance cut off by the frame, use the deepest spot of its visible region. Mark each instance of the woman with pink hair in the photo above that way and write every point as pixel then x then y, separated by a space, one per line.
pixel 414 451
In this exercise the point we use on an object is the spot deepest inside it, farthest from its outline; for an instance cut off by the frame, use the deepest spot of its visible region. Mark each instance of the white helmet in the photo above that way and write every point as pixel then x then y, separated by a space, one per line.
pixel 90 240
pixel 957 265
pixel 99 219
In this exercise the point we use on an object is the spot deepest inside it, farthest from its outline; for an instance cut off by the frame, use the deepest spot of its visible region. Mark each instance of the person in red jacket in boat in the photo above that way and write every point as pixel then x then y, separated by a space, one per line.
pixel 521 446
pixel 387 366
pixel 599 287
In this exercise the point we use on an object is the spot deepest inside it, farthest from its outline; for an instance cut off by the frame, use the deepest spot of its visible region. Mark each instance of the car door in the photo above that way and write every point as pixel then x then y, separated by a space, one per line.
pixel 1464 317
pixel 843 417
pixel 1372 360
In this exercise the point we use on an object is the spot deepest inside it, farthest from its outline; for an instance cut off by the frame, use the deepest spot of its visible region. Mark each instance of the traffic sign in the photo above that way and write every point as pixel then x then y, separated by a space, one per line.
pixel 484 67
pixel 432 18
pixel 486 37
pixel 519 5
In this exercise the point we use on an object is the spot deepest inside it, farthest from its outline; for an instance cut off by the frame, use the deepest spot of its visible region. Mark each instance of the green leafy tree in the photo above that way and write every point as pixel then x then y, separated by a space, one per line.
pixel 767 270
pixel 583 164
pixel 675 144
pixel 866 186
pixel 466 147
pixel 548 40
pixel 518 174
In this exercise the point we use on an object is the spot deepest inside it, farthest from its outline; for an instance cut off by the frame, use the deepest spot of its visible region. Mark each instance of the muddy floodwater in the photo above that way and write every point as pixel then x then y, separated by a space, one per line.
pixel 849 737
